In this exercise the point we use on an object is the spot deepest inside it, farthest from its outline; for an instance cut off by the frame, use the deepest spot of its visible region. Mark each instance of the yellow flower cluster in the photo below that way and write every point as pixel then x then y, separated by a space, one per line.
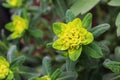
pixel 18 26
pixel 74 37
pixel 71 37
pixel 4 68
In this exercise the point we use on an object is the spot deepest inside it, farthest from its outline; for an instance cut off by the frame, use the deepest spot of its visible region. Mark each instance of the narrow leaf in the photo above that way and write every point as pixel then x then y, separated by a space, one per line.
pixel 60 7
pixel 69 16
pixel 47 65
pixel 70 75
pixel 74 54
pixel 17 62
pixel 87 20
pixel 10 76
pixel 37 33
pixel 117 53
pixel 29 73
pixel 56 74
pixel 83 6
pixel 58 27
pixel 3 47
pixel 117 23
pixel 9 26
pixel 24 13
pixel 93 50
pixel 114 66
pixel 11 53
pixel 114 3
pixel 100 29
pixel 70 65
pixel 6 5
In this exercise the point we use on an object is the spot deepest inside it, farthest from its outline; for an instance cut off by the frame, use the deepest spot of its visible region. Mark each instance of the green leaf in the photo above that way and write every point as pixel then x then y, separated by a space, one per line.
pixel 93 50
pixel 70 65
pixel 105 49
pixel 37 33
pixel 10 26
pixel 118 31
pixel 14 35
pixel 56 74
pixel 60 7
pixel 83 6
pixel 117 53
pixel 6 5
pixel 17 76
pixel 87 20
pixel 11 55
pixel 33 8
pixel 118 20
pixel 3 47
pixel 117 23
pixel 69 16
pixel 60 58
pixel 100 29
pixel 74 54
pixel 114 3
pixel 24 13
pixel 10 76
pixel 29 73
pixel 114 66
pixel 58 28
pixel 69 75
pixel 17 62
pixel 59 45
pixel 46 63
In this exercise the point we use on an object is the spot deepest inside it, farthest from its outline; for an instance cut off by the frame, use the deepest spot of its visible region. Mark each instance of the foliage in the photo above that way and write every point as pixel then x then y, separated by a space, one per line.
pixel 61 40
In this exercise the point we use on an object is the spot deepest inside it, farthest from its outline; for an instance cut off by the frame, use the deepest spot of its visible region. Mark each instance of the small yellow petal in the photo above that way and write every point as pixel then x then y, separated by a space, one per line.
pixel 88 38
pixel 75 23
pixel 58 28
pixel 60 45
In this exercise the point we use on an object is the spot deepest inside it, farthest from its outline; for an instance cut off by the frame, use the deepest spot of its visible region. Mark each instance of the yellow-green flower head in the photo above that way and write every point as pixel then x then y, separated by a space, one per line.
pixel 4 68
pixel 15 3
pixel 18 26
pixel 71 37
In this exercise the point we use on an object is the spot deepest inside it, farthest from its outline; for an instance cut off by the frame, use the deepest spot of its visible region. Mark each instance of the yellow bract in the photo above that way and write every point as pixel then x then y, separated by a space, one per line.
pixel 4 68
pixel 18 26
pixel 71 36
pixel 14 3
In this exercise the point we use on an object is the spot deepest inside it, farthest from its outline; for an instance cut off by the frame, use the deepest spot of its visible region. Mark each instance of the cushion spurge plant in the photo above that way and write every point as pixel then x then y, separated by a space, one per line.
pixel 18 26
pixel 4 68
pixel 71 37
